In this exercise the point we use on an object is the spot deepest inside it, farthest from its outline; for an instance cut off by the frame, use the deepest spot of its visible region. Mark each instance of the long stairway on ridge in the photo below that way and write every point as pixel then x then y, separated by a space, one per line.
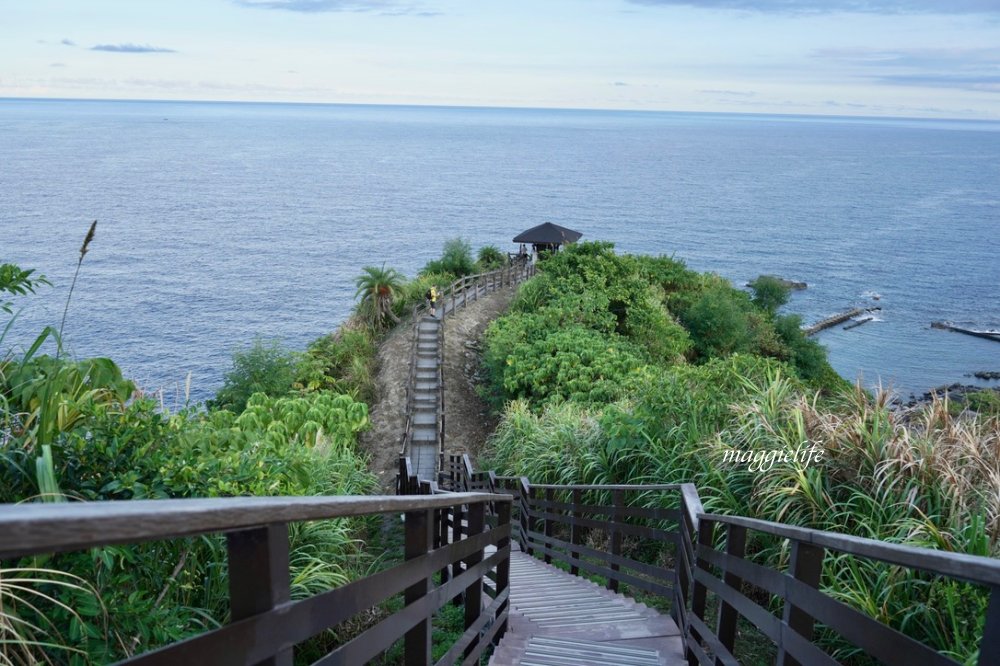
pixel 423 438
pixel 427 406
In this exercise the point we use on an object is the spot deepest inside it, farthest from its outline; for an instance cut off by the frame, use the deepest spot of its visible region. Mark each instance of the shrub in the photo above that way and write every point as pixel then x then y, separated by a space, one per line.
pixel 490 258
pixel 265 367
pixel 769 293
pixel 572 363
pixel 456 258
pixel 342 362
pixel 718 323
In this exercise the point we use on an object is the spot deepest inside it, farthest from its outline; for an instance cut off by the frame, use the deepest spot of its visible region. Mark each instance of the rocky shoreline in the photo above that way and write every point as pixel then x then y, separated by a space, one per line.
pixel 957 392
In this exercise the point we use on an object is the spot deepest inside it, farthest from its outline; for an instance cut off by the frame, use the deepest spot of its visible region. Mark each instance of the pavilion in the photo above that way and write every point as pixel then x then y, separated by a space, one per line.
pixel 547 237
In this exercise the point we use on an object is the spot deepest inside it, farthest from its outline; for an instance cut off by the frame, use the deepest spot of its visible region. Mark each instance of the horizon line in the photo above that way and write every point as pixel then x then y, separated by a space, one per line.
pixel 501 108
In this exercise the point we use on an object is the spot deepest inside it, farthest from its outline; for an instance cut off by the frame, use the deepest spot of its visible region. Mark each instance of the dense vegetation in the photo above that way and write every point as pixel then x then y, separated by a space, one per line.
pixel 283 423
pixel 625 369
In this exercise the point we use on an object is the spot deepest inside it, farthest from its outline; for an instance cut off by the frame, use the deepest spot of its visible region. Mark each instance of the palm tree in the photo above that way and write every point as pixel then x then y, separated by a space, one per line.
pixel 377 288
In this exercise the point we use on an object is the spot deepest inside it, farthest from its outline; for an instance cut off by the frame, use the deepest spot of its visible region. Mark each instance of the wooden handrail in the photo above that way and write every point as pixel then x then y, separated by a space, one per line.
pixel 30 529
pixel 970 568
pixel 708 570
pixel 265 623
pixel 627 486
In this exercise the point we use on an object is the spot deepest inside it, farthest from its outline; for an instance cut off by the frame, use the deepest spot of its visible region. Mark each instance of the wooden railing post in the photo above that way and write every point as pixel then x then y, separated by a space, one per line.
pixel 525 509
pixel 549 523
pixel 736 542
pixel 989 646
pixel 806 565
pixel 575 531
pixel 700 593
pixel 419 535
pixel 456 531
pixel 259 578
pixel 533 521
pixel 474 592
pixel 452 514
pixel 617 502
pixel 503 566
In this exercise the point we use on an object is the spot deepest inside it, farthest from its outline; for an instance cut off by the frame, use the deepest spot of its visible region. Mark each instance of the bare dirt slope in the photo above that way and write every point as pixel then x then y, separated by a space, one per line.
pixel 467 418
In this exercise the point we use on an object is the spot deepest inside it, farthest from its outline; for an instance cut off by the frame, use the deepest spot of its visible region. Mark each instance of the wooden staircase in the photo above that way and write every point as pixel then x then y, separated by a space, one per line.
pixel 427 406
pixel 557 619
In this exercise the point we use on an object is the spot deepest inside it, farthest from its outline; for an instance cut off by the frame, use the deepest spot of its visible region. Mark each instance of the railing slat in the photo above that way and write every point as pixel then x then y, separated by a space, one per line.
pixel 297 621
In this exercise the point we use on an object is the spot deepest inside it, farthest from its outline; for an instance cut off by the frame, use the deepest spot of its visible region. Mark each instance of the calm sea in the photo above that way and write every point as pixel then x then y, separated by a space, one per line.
pixel 221 222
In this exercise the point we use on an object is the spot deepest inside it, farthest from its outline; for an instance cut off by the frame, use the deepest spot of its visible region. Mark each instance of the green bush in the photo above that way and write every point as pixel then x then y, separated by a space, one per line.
pixel 572 363
pixel 986 403
pixel 342 362
pixel 490 258
pixel 416 289
pixel 456 259
pixel 719 323
pixel 769 293
pixel 277 446
pixel 264 367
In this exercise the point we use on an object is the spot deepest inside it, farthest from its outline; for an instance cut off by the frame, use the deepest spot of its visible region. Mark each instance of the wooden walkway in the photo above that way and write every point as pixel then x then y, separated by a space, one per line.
pixel 423 440
pixel 557 619
pixel 426 392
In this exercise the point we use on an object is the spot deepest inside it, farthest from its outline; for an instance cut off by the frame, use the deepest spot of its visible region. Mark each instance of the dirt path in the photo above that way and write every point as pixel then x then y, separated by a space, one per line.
pixel 467 419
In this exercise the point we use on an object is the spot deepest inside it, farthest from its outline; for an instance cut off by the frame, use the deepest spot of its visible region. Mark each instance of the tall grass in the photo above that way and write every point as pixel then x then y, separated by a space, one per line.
pixel 922 477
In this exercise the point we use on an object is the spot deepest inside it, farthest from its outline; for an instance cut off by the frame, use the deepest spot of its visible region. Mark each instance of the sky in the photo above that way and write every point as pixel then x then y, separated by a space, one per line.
pixel 918 58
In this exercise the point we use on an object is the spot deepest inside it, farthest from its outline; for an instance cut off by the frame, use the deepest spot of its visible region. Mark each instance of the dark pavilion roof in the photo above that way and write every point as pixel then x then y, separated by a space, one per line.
pixel 547 233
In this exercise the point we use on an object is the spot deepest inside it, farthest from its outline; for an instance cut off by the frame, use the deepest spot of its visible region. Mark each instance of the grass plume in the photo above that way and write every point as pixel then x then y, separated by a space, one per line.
pixel 83 252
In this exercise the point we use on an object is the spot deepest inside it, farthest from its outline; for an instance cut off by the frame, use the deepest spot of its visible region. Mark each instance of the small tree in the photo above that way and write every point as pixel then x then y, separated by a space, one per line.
pixel 490 257
pixel 456 259
pixel 769 293
pixel 717 323
pixel 377 289
pixel 265 367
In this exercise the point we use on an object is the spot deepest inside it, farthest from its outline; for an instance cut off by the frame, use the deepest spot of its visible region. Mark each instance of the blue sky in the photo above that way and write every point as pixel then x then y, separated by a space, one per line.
pixel 925 58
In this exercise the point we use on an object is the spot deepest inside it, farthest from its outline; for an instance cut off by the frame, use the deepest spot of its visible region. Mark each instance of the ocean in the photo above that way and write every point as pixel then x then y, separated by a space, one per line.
pixel 219 222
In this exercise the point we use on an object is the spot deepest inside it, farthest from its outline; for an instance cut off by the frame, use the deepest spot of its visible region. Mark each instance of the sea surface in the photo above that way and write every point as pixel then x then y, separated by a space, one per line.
pixel 219 222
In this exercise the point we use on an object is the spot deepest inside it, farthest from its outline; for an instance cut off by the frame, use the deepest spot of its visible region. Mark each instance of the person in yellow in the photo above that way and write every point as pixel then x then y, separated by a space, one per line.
pixel 432 298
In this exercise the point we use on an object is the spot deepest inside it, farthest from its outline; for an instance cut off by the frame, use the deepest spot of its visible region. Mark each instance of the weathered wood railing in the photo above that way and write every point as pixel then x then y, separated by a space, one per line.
pixel 471 286
pixel 745 589
pixel 625 534
pixel 266 624
pixel 600 531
